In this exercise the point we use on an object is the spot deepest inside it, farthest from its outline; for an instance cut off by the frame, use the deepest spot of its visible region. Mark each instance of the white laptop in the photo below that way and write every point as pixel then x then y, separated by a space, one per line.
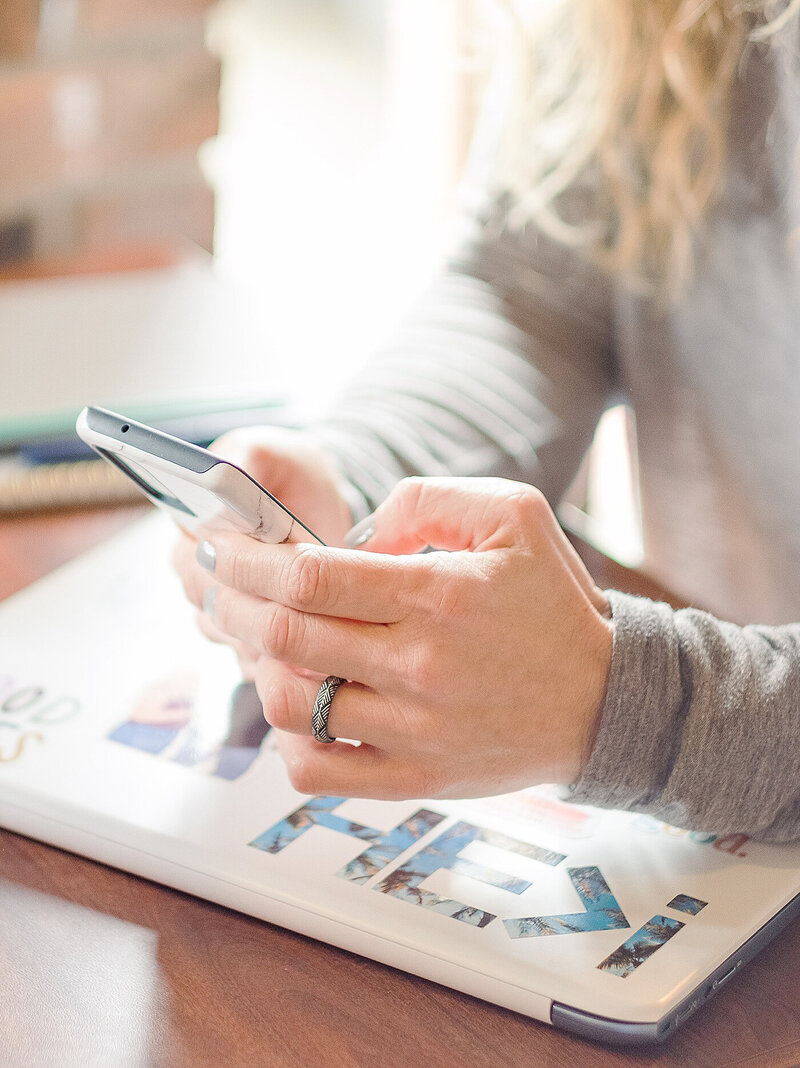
pixel 125 737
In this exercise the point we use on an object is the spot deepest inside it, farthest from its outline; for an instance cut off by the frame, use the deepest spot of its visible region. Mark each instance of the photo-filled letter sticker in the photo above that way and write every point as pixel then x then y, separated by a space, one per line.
pixel 640 946
pixel 163 723
pixel 443 852
pixel 601 910
pixel 405 882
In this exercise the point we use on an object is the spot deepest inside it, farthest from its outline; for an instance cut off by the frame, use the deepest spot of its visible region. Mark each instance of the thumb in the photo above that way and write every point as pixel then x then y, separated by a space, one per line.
pixel 475 514
pixel 294 468
pixel 269 454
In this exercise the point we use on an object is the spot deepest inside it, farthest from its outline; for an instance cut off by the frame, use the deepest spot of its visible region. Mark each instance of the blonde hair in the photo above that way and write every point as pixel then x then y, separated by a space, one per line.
pixel 634 94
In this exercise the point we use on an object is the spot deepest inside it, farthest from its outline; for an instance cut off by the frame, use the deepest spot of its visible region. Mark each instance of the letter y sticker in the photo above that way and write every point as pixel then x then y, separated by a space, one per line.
pixel 602 910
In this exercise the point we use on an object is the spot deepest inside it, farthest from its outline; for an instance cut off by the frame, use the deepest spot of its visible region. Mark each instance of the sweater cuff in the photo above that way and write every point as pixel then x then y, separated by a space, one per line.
pixel 639 729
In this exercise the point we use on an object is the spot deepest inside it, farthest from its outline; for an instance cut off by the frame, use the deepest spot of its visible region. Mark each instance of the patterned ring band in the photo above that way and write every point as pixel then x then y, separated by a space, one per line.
pixel 322 708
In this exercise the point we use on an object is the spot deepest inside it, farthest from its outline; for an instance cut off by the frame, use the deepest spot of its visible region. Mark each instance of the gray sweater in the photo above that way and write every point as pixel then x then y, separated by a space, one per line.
pixel 505 368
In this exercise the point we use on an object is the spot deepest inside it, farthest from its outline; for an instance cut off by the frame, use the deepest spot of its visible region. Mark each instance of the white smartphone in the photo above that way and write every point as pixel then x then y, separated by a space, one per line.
pixel 201 491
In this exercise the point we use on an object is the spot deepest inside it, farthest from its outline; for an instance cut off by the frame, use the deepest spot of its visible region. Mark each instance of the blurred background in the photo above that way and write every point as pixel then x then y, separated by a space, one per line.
pixel 311 145
pixel 304 153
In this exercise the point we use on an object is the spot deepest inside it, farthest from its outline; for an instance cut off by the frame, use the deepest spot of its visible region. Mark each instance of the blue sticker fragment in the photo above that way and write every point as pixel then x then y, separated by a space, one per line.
pixel 641 946
pixel 602 910
pixel 234 761
pixel 405 882
pixel 390 845
pixel 318 812
pixel 149 737
pixel 443 852
pixel 686 903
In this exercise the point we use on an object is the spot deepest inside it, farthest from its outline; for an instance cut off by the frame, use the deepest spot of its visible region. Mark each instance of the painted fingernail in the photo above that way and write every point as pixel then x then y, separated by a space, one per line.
pixel 210 601
pixel 360 533
pixel 207 556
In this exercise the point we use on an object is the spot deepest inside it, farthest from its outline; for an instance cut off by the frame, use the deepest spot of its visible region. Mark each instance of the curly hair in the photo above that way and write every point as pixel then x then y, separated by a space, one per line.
pixel 635 94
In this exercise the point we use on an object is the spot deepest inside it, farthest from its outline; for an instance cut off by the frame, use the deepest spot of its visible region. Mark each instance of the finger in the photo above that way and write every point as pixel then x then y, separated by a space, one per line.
pixel 342 770
pixel 193 579
pixel 315 578
pixel 296 470
pixel 246 653
pixel 270 454
pixel 184 562
pixel 476 514
pixel 356 712
pixel 580 573
pixel 370 653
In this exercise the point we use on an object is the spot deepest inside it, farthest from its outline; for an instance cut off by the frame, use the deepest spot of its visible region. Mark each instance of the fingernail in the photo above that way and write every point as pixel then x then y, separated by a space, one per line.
pixel 210 601
pixel 207 556
pixel 360 533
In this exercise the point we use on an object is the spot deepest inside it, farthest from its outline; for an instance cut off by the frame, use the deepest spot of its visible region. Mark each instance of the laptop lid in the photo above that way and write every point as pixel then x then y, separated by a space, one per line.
pixel 128 738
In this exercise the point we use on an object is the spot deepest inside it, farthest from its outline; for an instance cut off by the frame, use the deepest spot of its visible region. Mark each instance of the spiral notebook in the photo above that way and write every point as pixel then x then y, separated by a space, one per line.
pixel 125 737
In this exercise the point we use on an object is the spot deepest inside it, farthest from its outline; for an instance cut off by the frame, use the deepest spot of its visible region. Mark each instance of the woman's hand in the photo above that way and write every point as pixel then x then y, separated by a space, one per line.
pixel 299 474
pixel 296 471
pixel 475 671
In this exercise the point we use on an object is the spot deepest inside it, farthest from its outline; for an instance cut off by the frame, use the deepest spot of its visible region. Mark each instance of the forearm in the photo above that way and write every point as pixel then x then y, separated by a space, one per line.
pixel 701 725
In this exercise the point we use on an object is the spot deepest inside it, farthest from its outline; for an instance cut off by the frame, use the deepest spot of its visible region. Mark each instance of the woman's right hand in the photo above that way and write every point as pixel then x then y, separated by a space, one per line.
pixel 301 475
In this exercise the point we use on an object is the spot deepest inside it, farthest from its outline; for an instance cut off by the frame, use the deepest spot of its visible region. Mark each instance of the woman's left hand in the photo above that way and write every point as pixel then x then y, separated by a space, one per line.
pixel 471 672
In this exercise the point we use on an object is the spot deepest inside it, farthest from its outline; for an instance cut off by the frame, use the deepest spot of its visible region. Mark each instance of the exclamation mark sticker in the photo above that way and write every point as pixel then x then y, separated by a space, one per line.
pixel 650 937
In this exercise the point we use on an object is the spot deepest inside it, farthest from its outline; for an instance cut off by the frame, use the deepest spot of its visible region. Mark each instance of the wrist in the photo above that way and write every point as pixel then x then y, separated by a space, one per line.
pixel 592 692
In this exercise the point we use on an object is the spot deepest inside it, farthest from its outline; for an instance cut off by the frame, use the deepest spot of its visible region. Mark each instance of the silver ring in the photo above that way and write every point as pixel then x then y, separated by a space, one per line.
pixel 322 708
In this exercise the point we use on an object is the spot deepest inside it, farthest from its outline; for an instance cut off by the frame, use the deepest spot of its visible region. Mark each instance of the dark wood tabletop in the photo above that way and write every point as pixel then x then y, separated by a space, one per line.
pixel 100 968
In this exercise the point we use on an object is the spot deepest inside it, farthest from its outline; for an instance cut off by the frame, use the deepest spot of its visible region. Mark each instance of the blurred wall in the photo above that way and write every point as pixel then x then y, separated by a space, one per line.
pixel 103 106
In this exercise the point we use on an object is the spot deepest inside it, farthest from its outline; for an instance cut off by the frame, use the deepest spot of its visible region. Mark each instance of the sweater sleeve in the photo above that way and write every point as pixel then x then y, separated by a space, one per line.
pixel 503 368
pixel 701 724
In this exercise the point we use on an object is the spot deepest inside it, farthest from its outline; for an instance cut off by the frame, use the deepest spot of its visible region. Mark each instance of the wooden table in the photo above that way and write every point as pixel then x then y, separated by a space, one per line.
pixel 99 968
